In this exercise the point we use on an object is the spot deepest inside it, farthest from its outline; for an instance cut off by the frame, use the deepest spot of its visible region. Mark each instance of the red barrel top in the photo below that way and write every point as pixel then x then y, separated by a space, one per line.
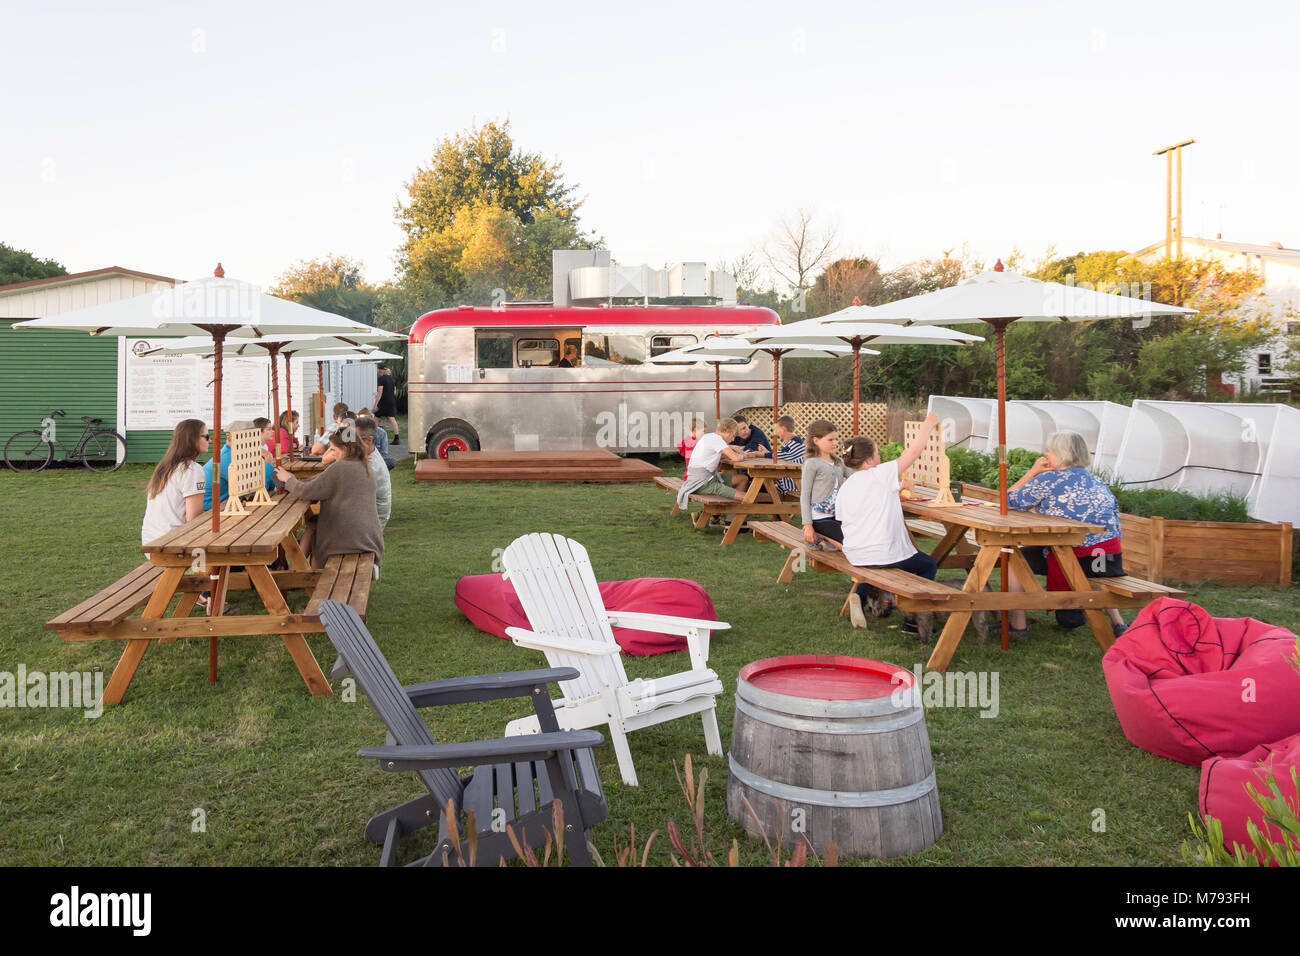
pixel 826 677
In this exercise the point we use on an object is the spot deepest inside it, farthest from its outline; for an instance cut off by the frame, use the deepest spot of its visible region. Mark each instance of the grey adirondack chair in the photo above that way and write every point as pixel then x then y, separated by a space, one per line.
pixel 558 764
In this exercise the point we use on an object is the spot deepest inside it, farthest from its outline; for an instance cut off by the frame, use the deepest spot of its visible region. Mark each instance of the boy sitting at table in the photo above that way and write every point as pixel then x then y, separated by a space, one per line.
pixel 750 441
pixel 702 472
pixel 792 450
pixel 269 467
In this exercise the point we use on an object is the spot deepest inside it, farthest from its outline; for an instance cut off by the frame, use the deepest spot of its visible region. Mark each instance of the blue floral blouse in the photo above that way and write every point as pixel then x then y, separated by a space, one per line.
pixel 1070 493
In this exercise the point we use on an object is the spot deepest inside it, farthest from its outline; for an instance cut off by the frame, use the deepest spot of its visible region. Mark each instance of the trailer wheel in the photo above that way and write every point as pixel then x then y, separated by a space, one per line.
pixel 451 438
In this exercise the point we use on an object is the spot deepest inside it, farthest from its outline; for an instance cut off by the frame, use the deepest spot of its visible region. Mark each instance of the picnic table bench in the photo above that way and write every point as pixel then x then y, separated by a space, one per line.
pixel 193 558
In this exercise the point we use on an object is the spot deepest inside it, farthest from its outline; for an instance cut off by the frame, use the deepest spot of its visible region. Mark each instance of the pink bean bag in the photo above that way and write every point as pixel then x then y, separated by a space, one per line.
pixel 491 605
pixel 1188 686
pixel 1223 789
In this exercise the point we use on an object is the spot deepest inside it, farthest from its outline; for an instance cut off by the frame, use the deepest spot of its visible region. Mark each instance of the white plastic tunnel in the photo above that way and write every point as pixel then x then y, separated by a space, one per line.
pixel 1249 450
pixel 965 421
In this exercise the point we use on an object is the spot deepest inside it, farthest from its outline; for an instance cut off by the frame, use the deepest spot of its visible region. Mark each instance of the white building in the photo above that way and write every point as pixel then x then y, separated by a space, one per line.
pixel 1280 269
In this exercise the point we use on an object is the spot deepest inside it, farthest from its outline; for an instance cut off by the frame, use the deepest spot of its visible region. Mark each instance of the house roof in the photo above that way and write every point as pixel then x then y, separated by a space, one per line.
pixel 83 277
pixel 1273 252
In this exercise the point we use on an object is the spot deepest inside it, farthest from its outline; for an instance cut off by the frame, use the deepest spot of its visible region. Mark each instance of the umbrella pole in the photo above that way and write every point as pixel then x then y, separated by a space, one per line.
pixel 1002 466
pixel 776 411
pixel 857 345
pixel 217 591
pixel 320 387
pixel 717 391
pixel 274 351
pixel 288 404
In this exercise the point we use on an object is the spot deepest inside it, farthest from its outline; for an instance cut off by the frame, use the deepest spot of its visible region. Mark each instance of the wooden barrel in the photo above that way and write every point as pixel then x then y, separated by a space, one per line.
pixel 833 749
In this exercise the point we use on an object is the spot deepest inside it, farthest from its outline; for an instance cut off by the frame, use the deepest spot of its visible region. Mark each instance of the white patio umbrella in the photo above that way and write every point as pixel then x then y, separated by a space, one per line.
pixel 999 298
pixel 723 347
pixel 315 346
pixel 217 307
pixel 855 335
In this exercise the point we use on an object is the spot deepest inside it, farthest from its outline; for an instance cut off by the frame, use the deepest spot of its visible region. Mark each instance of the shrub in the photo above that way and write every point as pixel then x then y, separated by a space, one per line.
pixel 1180 505
pixel 891 452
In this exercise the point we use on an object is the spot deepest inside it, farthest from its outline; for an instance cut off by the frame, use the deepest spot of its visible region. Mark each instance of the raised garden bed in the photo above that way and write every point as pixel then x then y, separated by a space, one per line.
pixel 1165 550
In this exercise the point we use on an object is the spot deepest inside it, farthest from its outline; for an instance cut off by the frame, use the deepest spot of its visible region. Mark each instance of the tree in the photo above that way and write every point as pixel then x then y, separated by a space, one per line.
pixel 313 275
pixel 19 265
pixel 797 248
pixel 485 216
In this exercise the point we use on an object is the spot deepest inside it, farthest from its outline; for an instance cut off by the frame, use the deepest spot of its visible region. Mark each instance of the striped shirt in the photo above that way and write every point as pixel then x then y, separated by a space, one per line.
pixel 793 452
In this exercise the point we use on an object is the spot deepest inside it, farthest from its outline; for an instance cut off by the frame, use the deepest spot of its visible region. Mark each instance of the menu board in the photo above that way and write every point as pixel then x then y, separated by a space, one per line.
pixel 162 390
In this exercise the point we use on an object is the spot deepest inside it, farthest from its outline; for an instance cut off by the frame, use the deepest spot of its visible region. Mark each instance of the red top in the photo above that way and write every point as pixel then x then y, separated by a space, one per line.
pixel 826 677
pixel 686 446
pixel 526 316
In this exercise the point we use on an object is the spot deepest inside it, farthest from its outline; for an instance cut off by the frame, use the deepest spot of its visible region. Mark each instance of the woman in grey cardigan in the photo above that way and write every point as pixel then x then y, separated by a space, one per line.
pixel 348 522
pixel 823 473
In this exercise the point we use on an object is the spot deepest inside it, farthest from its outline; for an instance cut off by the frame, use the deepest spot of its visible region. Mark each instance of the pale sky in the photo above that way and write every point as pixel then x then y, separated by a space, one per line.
pixel 164 137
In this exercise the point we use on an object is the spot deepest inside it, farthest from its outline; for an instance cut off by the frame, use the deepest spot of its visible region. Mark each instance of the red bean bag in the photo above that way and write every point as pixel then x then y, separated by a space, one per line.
pixel 1188 686
pixel 491 605
pixel 1223 790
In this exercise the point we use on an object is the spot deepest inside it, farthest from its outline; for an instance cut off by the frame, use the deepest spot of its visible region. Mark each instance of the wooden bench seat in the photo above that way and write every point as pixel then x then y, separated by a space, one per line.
pixel 345 578
pixel 110 605
pixel 1131 587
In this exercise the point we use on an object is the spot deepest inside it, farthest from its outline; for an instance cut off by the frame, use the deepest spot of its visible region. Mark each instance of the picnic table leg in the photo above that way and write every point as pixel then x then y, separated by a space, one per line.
pixel 294 554
pixel 302 656
pixel 183 608
pixel 216 608
pixel 946 646
pixel 134 651
pixel 702 519
pixel 787 572
pixel 1099 621
pixel 738 520
pixel 954 534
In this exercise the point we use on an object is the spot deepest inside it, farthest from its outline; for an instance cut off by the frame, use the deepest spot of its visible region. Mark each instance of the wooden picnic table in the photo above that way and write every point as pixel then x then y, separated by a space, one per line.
pixel 995 533
pixel 191 559
pixel 763 474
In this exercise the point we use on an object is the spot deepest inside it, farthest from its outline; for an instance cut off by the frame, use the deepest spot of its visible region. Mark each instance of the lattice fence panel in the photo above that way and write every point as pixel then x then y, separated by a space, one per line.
pixel 871 417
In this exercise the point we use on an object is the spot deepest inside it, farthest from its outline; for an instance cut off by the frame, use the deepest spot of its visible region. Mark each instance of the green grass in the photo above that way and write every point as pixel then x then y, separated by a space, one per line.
pixel 275 769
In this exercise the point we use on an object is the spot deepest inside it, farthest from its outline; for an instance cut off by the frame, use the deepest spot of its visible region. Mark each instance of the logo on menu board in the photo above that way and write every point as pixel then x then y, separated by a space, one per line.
pixel 141 347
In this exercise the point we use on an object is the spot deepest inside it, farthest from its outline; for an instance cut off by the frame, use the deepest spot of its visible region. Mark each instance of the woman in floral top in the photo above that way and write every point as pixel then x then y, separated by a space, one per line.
pixel 1061 485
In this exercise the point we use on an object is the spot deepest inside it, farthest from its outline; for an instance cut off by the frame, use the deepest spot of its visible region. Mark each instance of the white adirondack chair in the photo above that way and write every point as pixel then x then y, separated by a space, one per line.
pixel 553 579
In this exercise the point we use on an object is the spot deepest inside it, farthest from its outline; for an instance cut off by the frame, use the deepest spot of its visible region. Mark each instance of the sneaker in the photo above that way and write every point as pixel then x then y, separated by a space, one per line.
pixel 1019 633
pixel 1119 629
pixel 856 617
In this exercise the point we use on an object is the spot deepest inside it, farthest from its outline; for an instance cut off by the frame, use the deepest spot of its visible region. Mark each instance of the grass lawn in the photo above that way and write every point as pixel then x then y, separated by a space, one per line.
pixel 275 771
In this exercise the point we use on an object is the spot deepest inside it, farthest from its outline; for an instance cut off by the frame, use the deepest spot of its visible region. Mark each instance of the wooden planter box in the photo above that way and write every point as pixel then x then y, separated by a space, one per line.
pixel 1216 552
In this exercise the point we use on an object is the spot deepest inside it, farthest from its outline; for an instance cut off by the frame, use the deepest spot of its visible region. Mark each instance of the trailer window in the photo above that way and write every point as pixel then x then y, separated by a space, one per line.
pixel 600 349
pixel 538 352
pixel 659 344
pixel 494 349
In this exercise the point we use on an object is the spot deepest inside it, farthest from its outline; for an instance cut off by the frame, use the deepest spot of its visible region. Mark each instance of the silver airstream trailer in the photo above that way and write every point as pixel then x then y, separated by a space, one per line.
pixel 531 377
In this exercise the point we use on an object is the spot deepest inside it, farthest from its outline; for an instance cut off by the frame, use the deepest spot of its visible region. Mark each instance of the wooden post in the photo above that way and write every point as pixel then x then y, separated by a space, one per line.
pixel 1169 200
pixel 1001 327
pixel 218 339
pixel 857 345
pixel 1179 220
pixel 717 392
pixel 1284 555
pixel 776 385
pixel 1156 544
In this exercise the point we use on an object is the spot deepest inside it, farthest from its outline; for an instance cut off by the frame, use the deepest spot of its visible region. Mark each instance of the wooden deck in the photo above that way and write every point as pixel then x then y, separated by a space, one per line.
pixel 592 466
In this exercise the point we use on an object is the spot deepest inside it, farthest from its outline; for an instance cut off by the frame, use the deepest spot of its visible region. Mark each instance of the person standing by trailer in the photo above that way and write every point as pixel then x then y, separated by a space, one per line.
pixel 386 400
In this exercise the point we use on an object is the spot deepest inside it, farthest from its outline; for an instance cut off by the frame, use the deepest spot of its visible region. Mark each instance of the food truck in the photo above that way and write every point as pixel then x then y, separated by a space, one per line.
pixel 497 378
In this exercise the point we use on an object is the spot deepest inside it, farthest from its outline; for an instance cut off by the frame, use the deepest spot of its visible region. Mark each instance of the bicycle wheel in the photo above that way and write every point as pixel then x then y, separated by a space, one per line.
pixel 28 451
pixel 103 451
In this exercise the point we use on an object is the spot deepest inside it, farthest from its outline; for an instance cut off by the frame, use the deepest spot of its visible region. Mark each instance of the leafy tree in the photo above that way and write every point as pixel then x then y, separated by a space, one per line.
pixel 19 265
pixel 484 215
pixel 313 275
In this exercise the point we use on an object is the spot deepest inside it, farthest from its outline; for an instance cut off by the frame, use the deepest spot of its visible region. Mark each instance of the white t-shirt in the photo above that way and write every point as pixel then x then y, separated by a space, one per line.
pixel 707 453
pixel 167 511
pixel 871 517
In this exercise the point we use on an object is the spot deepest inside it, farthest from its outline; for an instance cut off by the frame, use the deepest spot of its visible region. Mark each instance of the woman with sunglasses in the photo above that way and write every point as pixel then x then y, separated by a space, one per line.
pixel 175 493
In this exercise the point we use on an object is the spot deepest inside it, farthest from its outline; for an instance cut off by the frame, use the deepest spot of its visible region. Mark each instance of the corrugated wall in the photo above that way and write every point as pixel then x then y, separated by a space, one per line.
pixel 41 371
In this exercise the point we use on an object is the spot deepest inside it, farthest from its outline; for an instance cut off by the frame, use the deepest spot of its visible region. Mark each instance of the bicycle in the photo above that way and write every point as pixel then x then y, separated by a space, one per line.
pixel 99 449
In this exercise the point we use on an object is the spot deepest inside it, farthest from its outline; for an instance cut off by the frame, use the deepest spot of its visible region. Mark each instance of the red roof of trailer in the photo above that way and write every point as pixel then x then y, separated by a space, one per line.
pixel 568 316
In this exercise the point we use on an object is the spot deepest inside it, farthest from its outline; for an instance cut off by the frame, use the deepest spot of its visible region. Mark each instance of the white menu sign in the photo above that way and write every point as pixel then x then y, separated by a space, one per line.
pixel 161 390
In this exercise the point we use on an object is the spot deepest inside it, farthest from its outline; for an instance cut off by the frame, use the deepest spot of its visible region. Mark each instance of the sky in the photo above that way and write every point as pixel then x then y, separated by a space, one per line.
pixel 164 137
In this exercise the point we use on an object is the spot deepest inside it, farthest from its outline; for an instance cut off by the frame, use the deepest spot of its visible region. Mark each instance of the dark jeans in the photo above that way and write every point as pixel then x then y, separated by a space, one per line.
pixel 829 528
pixel 1036 558
pixel 920 564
